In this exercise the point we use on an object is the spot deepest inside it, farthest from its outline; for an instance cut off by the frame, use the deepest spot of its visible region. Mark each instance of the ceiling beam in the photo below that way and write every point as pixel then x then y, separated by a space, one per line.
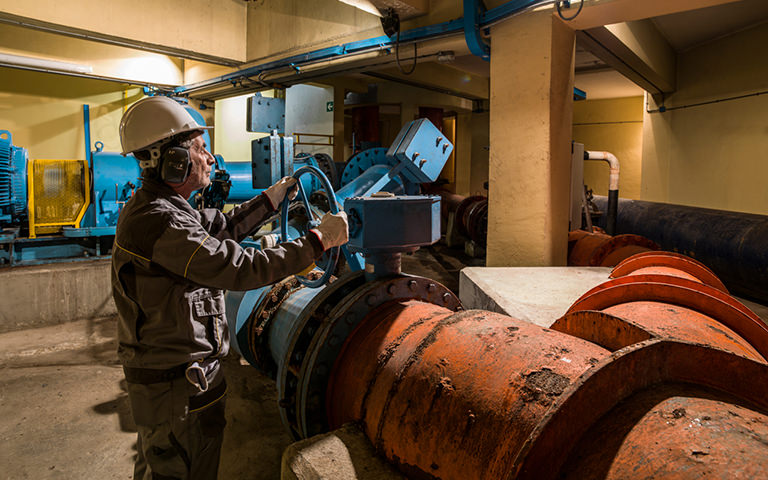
pixel 439 77
pixel 597 13
pixel 637 50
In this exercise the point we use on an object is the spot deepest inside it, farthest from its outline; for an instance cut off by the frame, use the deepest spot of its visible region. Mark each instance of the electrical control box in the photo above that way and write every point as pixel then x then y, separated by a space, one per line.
pixel 388 223
pixel 424 150
pixel 265 114
pixel 271 160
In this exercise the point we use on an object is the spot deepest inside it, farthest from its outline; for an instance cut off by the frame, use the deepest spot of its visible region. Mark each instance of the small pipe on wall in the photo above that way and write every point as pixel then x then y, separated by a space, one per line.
pixel 613 186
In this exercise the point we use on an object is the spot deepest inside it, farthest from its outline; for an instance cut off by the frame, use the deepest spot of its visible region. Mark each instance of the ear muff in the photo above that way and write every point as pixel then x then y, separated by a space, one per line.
pixel 175 165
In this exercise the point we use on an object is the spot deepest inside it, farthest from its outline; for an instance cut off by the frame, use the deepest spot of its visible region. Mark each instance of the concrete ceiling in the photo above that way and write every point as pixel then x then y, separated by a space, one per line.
pixel 683 31
pixel 688 30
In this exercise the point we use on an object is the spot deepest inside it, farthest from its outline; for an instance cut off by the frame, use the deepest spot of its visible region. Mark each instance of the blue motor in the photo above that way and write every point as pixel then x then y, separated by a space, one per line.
pixel 115 179
pixel 13 181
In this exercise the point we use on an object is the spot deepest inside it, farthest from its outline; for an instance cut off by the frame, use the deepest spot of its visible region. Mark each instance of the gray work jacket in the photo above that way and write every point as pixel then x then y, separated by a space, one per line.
pixel 170 264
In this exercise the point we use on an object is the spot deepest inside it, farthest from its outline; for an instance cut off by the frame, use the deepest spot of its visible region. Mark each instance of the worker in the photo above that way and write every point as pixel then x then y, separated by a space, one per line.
pixel 170 265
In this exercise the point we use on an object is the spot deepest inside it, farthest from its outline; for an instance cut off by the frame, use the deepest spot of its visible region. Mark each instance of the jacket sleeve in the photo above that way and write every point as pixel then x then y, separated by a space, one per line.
pixel 186 249
pixel 239 222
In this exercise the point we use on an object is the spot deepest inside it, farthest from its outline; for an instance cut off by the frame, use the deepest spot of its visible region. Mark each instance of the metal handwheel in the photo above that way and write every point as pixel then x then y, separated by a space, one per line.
pixel 328 263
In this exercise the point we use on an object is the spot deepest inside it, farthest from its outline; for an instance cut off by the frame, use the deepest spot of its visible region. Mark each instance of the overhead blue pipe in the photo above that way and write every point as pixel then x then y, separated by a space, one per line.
pixel 472 12
pixel 372 44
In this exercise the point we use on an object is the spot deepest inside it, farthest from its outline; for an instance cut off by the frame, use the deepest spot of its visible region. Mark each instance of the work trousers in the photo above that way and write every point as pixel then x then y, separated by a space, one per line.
pixel 178 437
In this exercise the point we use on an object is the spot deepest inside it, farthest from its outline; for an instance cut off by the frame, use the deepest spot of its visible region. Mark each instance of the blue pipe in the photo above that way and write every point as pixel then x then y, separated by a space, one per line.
pixel 115 179
pixel 283 328
pixel 473 9
pixel 241 176
pixel 239 306
pixel 372 44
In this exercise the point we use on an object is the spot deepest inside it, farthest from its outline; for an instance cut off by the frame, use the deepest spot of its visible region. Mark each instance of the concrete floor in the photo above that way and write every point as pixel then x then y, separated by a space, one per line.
pixel 66 414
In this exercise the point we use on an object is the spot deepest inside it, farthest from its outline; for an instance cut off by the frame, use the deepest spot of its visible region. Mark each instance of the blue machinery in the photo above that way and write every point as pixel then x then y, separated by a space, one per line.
pixel 66 210
pixel 295 329
pixel 54 210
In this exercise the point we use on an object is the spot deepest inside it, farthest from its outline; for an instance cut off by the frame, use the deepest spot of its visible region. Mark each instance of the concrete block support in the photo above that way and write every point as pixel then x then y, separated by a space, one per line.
pixel 534 294
pixel 343 454
pixel 38 296
pixel 530 133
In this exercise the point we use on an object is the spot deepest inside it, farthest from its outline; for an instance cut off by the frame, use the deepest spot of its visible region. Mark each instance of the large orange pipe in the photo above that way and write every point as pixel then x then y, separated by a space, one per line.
pixel 452 394
pixel 668 295
pixel 595 249
pixel 479 395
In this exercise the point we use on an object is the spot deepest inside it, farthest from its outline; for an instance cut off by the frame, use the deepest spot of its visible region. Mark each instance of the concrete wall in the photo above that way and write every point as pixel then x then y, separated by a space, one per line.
pixel 105 60
pixel 712 155
pixel 614 125
pixel 232 141
pixel 210 27
pixel 283 27
pixel 479 127
pixel 57 293
pixel 279 28
pixel 44 112
pixel 306 112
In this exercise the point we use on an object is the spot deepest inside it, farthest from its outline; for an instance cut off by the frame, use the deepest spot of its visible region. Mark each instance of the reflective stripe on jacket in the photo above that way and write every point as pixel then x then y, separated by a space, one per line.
pixel 170 265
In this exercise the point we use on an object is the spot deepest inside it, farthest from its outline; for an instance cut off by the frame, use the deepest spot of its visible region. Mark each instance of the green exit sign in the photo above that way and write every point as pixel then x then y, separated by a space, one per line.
pixel 328 106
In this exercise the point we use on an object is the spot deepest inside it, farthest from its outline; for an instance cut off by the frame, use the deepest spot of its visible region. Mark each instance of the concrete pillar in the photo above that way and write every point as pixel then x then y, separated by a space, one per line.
pixel 463 153
pixel 339 92
pixel 408 112
pixel 530 133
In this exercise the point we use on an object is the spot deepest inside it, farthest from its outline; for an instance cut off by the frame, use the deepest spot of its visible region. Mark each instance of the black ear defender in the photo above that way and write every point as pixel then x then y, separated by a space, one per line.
pixel 175 165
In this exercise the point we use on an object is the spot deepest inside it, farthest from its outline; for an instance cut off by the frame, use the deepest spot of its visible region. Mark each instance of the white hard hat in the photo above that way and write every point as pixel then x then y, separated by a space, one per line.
pixel 152 120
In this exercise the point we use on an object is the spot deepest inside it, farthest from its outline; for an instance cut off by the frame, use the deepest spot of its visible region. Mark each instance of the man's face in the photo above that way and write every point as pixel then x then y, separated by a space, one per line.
pixel 202 160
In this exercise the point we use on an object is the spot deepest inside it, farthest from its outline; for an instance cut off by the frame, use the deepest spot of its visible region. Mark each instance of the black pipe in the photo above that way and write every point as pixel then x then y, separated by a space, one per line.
pixel 613 195
pixel 613 202
pixel 733 244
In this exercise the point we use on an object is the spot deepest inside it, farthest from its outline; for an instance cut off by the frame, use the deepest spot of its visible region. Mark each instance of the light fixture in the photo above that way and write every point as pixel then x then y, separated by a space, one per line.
pixel 364 5
pixel 42 64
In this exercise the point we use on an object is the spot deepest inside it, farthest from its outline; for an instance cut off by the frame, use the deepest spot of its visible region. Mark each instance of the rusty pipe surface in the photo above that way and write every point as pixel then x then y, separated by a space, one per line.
pixel 472 218
pixel 453 395
pixel 478 394
pixel 732 244
pixel 594 249
pixel 669 295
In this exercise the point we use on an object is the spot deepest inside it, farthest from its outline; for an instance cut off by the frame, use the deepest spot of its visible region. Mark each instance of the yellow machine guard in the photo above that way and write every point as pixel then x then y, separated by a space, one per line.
pixel 59 194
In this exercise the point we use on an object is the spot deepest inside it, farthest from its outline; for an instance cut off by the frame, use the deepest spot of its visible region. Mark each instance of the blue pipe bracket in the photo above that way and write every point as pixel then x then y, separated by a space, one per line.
pixel 475 20
pixel 473 10
pixel 480 20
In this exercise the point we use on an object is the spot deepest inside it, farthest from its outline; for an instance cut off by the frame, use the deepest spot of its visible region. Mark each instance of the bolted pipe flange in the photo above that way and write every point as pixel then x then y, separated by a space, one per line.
pixel 362 161
pixel 307 325
pixel 669 261
pixel 328 343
